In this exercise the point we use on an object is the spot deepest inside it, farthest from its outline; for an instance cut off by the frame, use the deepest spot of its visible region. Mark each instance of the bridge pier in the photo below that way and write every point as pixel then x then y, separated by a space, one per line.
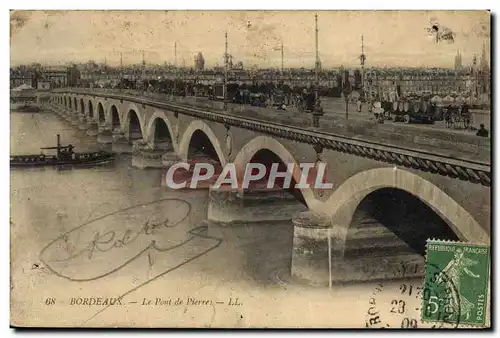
pixel 169 158
pixel 120 143
pixel 57 110
pixel 66 115
pixel 71 118
pixel 74 119
pixel 311 247
pixel 352 254
pixel 93 128
pixel 83 122
pixel 146 155
pixel 104 135
pixel 231 206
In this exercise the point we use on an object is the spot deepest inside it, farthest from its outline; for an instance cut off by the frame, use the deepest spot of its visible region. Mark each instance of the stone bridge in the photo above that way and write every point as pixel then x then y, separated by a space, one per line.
pixel 448 177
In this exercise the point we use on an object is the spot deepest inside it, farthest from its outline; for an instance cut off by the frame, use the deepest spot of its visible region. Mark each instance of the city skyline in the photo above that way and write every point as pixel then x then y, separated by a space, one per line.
pixel 391 38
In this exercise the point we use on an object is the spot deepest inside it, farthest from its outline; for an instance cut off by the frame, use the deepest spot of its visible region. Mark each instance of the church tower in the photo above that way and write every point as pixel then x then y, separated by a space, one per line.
pixel 484 76
pixel 483 65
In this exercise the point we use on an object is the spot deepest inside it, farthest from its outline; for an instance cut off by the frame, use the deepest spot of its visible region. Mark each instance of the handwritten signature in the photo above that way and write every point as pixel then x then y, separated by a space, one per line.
pixel 131 243
pixel 112 240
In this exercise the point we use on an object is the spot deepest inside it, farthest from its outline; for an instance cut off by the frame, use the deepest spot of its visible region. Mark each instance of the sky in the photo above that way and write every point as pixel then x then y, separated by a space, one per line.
pixel 391 38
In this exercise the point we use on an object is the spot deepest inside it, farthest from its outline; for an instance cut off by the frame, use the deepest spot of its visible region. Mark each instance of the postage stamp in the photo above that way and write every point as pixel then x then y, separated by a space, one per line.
pixel 456 283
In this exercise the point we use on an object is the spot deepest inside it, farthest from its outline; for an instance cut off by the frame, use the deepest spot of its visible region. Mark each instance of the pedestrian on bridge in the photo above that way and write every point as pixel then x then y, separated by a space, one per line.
pixel 482 132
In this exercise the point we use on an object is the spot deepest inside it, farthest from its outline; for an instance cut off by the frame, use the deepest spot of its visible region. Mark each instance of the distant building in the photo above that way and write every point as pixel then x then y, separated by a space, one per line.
pixel 482 78
pixel 44 85
pixel 357 79
pixel 57 75
pixel 73 76
pixel 484 62
pixel 16 81
pixel 238 65
pixel 347 77
pixel 21 76
pixel 199 62
pixel 398 83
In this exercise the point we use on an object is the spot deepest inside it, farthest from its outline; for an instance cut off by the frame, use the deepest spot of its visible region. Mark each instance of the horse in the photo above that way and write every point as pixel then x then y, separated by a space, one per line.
pixel 449 116
pixel 466 117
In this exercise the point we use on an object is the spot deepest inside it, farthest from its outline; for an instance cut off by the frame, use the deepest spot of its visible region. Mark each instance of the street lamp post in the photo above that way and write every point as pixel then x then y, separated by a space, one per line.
pixel 362 59
pixel 174 92
pixel 318 110
pixel 121 69
pixel 225 73
pixel 143 85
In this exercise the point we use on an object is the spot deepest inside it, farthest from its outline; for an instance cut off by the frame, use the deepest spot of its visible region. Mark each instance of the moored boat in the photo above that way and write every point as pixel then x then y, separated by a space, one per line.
pixel 24 99
pixel 64 156
pixel 25 108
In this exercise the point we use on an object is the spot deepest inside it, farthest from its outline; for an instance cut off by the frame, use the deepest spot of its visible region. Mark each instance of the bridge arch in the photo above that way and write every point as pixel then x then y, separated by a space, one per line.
pixel 124 117
pixel 82 106
pixel 187 136
pixel 75 104
pixel 342 204
pixel 70 103
pixel 133 128
pixel 115 117
pixel 101 116
pixel 90 109
pixel 156 129
pixel 249 150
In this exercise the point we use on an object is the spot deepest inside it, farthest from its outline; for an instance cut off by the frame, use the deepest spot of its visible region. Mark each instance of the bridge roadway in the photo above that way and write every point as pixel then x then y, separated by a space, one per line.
pixel 449 172
pixel 447 143
pixel 336 107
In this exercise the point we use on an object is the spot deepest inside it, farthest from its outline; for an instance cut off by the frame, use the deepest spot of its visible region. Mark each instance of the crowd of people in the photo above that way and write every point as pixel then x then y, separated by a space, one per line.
pixel 257 93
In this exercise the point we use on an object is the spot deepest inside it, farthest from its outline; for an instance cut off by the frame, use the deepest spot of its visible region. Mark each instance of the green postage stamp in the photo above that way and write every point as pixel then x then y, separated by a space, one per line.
pixel 456 283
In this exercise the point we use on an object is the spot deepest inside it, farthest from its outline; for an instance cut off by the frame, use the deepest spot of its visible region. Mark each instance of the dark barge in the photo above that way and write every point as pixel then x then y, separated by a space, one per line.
pixel 64 156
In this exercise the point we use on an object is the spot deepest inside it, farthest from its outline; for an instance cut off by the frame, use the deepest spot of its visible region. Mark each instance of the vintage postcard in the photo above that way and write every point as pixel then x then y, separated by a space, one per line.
pixel 250 169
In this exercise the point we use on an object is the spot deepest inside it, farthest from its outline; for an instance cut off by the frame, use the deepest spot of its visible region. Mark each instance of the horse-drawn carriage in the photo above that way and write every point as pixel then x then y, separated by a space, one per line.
pixel 420 110
pixel 278 98
pixel 457 116
pixel 407 111
pixel 258 99
pixel 304 102
pixel 454 111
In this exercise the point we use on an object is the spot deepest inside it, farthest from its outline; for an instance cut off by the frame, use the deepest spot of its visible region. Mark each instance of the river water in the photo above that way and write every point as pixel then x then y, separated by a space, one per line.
pixel 52 267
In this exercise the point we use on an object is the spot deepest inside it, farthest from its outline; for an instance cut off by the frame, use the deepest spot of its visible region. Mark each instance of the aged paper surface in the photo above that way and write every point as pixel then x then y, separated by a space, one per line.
pixel 355 148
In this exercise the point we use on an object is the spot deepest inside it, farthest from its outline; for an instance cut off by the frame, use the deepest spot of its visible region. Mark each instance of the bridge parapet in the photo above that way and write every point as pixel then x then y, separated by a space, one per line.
pixel 447 142
pixel 396 146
